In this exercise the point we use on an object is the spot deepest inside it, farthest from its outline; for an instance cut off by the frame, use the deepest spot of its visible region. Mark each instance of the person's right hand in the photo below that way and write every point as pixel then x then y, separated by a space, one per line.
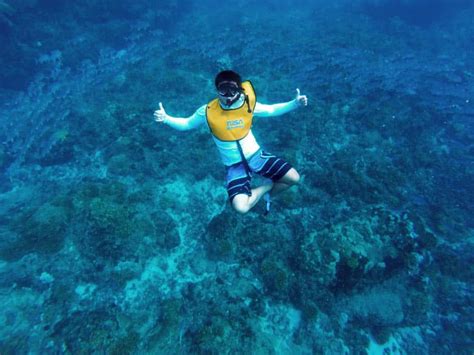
pixel 160 115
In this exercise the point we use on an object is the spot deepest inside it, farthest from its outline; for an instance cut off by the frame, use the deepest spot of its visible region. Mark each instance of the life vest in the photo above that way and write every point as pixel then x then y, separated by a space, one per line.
pixel 232 124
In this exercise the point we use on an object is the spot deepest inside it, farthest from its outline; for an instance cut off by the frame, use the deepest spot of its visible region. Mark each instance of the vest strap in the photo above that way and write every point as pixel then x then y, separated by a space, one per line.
pixel 244 160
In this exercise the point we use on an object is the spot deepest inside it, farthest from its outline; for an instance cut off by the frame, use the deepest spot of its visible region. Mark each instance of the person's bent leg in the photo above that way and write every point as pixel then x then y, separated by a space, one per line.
pixel 243 203
pixel 285 182
pixel 276 169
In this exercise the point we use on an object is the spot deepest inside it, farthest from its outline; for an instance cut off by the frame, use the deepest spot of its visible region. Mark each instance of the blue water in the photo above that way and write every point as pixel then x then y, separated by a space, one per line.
pixel 116 233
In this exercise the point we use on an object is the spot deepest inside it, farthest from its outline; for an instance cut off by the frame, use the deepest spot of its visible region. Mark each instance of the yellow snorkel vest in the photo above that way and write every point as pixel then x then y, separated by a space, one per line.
pixel 232 124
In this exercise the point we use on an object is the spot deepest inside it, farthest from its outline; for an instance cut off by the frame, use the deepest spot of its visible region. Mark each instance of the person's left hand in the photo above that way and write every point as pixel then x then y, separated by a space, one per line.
pixel 301 99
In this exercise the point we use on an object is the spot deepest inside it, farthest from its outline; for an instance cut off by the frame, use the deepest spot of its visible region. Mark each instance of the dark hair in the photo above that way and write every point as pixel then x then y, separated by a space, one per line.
pixel 228 75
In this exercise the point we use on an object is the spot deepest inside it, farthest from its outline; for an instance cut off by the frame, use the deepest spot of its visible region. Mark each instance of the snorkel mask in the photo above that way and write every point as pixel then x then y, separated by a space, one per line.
pixel 230 91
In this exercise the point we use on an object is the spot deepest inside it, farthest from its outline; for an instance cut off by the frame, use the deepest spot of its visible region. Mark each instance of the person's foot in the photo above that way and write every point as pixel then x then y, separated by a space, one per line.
pixel 268 202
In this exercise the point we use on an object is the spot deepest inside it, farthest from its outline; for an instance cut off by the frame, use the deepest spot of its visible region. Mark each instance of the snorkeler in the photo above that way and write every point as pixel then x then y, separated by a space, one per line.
pixel 229 118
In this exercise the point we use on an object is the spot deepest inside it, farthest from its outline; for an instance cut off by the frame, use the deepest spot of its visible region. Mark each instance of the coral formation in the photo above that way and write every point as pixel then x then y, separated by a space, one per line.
pixel 116 236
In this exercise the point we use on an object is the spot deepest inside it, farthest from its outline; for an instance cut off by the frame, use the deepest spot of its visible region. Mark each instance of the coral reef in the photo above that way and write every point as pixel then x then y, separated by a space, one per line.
pixel 116 235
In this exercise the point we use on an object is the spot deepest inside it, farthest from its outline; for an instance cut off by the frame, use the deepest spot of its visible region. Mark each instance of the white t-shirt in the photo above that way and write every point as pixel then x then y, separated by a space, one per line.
pixel 229 151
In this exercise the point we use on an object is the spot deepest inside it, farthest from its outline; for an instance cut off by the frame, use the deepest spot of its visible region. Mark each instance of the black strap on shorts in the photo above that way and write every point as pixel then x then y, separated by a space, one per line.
pixel 244 161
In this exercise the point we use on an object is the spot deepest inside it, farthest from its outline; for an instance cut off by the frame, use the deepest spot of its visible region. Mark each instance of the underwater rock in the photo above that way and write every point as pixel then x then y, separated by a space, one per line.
pixel 125 271
pixel 166 232
pixel 40 230
pixel 275 276
pixel 219 236
pixel 60 151
pixel 76 337
pixel 375 307
pixel 107 224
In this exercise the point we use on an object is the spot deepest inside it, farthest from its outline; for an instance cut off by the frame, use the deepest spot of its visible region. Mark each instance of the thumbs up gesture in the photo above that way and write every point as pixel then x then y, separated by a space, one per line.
pixel 301 99
pixel 160 114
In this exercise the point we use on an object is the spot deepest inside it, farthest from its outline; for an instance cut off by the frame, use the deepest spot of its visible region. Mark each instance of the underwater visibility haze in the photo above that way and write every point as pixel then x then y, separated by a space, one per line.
pixel 116 231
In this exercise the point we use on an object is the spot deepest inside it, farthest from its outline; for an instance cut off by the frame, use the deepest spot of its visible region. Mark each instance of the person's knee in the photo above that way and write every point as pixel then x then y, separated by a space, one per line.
pixel 296 178
pixel 292 177
pixel 240 206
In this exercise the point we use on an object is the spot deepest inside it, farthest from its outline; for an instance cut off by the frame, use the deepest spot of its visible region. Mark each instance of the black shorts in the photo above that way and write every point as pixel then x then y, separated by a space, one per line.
pixel 261 163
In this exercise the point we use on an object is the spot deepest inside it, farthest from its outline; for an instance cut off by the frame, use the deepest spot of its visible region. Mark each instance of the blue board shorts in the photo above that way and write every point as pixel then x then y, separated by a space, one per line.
pixel 261 163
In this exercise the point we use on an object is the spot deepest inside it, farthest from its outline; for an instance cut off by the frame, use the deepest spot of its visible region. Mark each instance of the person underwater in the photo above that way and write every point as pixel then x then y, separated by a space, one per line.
pixel 230 118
